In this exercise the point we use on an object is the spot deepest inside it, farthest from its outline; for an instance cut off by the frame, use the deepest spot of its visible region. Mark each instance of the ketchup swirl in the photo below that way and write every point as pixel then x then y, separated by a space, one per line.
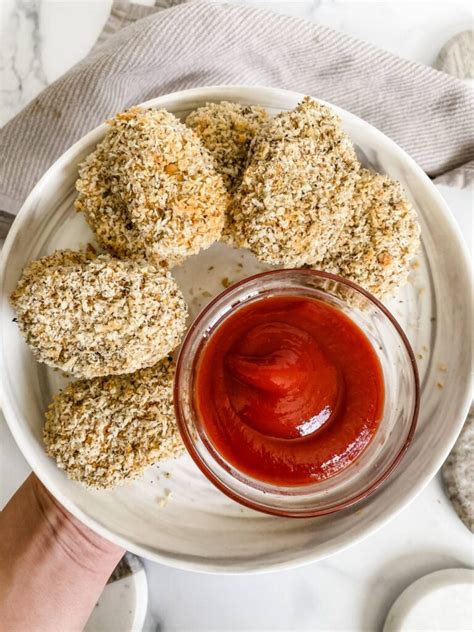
pixel 289 390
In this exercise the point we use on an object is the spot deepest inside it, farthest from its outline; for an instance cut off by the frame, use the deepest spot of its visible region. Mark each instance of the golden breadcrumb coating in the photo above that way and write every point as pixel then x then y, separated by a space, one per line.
pixel 107 430
pixel 93 316
pixel 379 239
pixel 102 202
pixel 226 130
pixel 295 192
pixel 151 187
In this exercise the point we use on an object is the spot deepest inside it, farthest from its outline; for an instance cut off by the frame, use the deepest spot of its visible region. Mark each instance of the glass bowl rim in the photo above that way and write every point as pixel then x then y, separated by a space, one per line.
pixel 201 464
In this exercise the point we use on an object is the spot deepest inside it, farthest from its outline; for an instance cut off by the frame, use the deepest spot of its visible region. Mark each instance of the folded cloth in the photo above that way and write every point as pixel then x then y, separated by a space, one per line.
pixel 197 43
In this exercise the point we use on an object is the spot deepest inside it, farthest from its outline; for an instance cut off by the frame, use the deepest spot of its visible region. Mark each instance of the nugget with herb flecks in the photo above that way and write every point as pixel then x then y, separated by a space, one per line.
pixel 105 431
pixel 379 239
pixel 96 315
pixel 295 192
pixel 151 188
pixel 226 130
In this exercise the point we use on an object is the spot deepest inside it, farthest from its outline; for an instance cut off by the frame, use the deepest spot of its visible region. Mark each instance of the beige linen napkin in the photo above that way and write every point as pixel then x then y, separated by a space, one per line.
pixel 427 112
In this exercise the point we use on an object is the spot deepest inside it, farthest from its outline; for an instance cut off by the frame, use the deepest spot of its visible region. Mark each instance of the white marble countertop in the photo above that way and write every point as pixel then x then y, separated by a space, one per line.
pixel 353 590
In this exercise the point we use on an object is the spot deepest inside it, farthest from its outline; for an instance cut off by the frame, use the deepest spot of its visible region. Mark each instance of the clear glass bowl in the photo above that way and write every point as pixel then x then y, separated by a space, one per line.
pixel 402 395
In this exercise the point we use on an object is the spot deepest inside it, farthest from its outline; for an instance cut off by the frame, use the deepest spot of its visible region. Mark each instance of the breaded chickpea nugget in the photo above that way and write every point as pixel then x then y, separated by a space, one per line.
pixel 151 184
pixel 105 431
pixel 294 196
pixel 379 239
pixel 102 200
pixel 226 130
pixel 93 316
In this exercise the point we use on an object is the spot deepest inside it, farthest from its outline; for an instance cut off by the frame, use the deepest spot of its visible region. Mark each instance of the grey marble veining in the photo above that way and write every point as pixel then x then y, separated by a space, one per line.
pixel 458 473
pixel 21 70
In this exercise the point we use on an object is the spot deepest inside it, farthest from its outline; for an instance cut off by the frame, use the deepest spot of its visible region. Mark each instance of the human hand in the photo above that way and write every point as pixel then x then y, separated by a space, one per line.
pixel 52 567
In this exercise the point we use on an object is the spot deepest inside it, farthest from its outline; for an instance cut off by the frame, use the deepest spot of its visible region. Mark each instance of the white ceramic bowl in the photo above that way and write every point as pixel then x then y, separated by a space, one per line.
pixel 199 528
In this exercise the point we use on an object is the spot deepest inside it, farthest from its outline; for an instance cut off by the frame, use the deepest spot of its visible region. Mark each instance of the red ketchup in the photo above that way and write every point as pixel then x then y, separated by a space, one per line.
pixel 289 390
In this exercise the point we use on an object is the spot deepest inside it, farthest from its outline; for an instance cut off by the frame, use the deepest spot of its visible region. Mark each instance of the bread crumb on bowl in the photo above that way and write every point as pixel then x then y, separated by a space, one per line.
pixel 150 187
pixel 226 130
pixel 106 431
pixel 295 192
pixel 380 238
pixel 97 315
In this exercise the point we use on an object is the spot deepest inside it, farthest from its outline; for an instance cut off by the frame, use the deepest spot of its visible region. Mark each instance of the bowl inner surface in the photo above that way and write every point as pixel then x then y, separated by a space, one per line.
pixel 199 527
